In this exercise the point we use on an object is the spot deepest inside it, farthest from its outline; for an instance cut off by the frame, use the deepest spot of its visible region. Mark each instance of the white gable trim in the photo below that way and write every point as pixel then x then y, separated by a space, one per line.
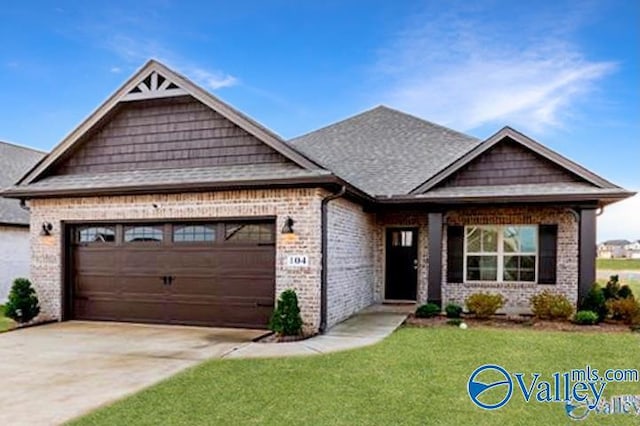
pixel 154 86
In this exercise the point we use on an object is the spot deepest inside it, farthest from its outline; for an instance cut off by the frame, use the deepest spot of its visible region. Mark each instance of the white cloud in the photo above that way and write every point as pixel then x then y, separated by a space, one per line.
pixel 115 70
pixel 140 50
pixel 463 72
pixel 212 79
pixel 620 220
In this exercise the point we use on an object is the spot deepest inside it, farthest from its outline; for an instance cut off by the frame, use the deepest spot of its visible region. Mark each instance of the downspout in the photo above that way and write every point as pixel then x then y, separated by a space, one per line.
pixel 23 205
pixel 323 249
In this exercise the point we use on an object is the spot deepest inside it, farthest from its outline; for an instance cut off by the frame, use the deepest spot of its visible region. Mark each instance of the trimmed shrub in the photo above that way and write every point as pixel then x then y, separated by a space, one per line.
pixel 612 288
pixel 551 306
pixel 483 305
pixel 286 320
pixel 586 318
pixel 427 311
pixel 624 292
pixel 626 310
pixel 22 305
pixel 595 301
pixel 453 310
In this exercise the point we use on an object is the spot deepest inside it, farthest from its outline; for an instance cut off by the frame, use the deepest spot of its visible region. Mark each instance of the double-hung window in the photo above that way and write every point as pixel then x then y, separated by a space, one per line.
pixel 504 253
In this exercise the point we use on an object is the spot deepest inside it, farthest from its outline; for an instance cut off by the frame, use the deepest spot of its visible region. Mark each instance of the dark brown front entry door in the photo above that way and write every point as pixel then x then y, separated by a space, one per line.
pixel 401 264
pixel 202 273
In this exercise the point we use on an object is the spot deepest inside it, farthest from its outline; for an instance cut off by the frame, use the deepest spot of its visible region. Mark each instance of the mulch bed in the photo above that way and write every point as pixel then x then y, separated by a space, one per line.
pixel 520 322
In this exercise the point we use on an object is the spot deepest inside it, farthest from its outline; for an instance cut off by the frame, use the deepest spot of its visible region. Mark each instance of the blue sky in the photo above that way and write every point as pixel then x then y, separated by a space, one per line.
pixel 566 73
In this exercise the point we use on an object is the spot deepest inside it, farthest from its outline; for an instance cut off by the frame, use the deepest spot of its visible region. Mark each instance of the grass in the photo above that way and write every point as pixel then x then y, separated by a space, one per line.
pixel 5 323
pixel 416 376
pixel 618 264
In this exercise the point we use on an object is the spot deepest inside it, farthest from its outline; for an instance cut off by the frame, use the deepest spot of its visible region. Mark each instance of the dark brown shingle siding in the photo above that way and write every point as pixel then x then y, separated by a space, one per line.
pixel 509 163
pixel 167 134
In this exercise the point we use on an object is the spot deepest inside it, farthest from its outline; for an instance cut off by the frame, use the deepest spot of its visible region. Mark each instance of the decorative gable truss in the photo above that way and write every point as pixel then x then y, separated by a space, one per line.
pixel 155 85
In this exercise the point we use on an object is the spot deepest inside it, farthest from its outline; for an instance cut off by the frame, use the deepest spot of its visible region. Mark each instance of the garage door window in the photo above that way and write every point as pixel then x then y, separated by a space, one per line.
pixel 96 234
pixel 248 232
pixel 143 233
pixel 194 233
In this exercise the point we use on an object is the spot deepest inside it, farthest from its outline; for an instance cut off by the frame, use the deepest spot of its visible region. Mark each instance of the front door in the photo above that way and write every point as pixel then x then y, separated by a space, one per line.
pixel 401 264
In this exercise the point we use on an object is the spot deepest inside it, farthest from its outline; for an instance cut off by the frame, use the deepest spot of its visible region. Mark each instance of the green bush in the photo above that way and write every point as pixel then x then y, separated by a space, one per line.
pixel 551 306
pixel 626 310
pixel 624 292
pixel 454 321
pixel 586 318
pixel 453 310
pixel 595 301
pixel 427 311
pixel 22 305
pixel 286 320
pixel 612 288
pixel 483 305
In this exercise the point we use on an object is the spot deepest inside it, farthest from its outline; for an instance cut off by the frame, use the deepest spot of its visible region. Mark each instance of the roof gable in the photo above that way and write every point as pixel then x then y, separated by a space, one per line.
pixel 163 133
pixel 509 163
pixel 511 158
pixel 152 82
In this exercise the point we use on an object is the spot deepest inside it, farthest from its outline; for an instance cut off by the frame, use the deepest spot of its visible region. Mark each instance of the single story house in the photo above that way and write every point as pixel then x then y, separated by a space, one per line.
pixel 15 256
pixel 167 205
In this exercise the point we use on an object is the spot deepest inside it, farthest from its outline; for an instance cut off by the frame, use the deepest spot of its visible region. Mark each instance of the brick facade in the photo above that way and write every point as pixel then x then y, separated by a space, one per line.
pixel 518 294
pixel 351 261
pixel 301 204
pixel 356 244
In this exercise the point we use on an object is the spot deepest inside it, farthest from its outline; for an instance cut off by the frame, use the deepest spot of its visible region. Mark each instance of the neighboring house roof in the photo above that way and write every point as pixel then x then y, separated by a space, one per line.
pixel 616 242
pixel 14 162
pixel 384 151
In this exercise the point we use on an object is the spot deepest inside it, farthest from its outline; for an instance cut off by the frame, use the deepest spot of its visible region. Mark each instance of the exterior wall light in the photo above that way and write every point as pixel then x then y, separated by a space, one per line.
pixel 288 226
pixel 47 227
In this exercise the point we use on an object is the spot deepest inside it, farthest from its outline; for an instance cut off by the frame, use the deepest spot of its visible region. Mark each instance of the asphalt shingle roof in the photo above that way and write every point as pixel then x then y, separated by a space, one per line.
pixel 384 151
pixel 494 191
pixel 194 175
pixel 15 161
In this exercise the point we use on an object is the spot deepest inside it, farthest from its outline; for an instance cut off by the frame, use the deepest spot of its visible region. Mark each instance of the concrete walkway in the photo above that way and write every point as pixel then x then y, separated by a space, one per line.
pixel 363 329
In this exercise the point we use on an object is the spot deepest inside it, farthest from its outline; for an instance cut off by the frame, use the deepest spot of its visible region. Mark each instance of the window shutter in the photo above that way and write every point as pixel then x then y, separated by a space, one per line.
pixel 455 254
pixel 547 244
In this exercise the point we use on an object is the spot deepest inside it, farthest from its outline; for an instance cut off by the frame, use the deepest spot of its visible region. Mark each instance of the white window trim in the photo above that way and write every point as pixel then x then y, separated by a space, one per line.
pixel 500 254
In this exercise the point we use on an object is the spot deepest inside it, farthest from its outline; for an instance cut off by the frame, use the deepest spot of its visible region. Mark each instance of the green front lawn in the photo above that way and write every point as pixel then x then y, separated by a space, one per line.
pixel 5 323
pixel 618 264
pixel 416 376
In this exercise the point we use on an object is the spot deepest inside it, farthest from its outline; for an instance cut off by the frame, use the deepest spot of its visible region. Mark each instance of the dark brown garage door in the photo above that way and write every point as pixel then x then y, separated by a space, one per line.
pixel 206 273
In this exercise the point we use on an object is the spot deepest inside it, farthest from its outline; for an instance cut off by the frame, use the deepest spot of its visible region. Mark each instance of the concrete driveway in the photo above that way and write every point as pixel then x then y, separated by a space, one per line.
pixel 52 373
